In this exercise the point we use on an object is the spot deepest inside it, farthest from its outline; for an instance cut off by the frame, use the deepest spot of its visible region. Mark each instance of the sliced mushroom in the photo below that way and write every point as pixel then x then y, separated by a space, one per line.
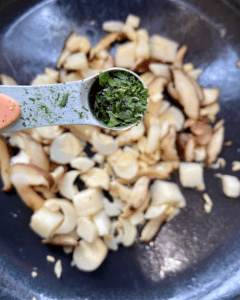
pixel 118 190
pixel 173 116
pixel 49 132
pixel 69 212
pixel 83 164
pixel 126 55
pixel 66 186
pixel 191 175
pixel 231 186
pixel 78 43
pixel 211 96
pixel 88 202
pixel 64 148
pixel 162 48
pixel 133 21
pixel 168 145
pixel 202 131
pixel 103 222
pixel 23 177
pixel 131 135
pixel 139 196
pixel 112 26
pixel 4 165
pixel 76 61
pixel 89 256
pixel 83 132
pixel 63 240
pixel 104 144
pixel 147 78
pixel 215 145
pixel 164 192
pixel 7 80
pixel 186 145
pixel 96 178
pixel 32 148
pixel 126 167
pixel 178 61
pixel 105 43
pixel 188 96
pixel 160 70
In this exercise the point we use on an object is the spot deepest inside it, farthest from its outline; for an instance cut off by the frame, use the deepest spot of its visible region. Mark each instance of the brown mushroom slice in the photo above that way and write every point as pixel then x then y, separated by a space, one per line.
pixel 215 145
pixel 4 165
pixel 198 89
pixel 89 256
pixel 139 195
pixel 105 43
pixel 141 65
pixel 63 240
pixel 178 60
pixel 23 177
pixel 172 91
pixel 211 96
pixel 188 96
pixel 210 111
pixel 202 131
pixel 44 192
pixel 168 145
pixel 186 145
pixel 108 63
pixel 25 142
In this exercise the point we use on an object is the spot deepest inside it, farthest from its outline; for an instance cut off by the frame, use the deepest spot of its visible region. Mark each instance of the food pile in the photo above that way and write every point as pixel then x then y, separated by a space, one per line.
pixel 90 204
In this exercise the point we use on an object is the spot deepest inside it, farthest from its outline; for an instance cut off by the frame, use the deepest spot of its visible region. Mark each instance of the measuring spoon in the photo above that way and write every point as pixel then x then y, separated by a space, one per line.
pixel 23 107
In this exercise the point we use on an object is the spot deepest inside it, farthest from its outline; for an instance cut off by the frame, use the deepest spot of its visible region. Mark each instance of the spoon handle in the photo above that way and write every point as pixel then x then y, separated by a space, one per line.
pixel 56 104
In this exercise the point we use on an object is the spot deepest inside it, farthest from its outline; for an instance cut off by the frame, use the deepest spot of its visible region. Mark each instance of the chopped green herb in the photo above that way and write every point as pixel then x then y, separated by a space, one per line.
pixel 34 120
pixel 51 90
pixel 32 99
pixel 118 99
pixel 64 100
pixel 83 107
pixel 57 98
pixel 24 103
pixel 81 116
pixel 45 108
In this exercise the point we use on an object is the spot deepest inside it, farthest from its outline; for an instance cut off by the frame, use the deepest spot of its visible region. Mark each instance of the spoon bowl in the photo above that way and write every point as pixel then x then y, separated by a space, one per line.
pixel 56 104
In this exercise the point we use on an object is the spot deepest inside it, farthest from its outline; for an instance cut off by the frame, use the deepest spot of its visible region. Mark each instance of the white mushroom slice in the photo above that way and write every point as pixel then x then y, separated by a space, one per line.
pixel 139 196
pixel 153 138
pixel 147 78
pixel 159 69
pixel 42 79
pixel 103 143
pixel 105 43
pixel 178 61
pixel 174 116
pixel 4 165
pixel 129 232
pixel 126 55
pixel 188 96
pixel 66 186
pixel 215 145
pixel 113 209
pixel 64 148
pixel 89 256
pixel 98 158
pixel 191 175
pixel 154 211
pixel 53 74
pixel 88 202
pixel 133 21
pixel 143 48
pixel 58 173
pixel 23 177
pixel 126 167
pixel 69 212
pixel 49 132
pixel 164 192
pixel 137 218
pixel 77 61
pixel 211 96
pixel 78 43
pixel 188 67
pixel 45 222
pixel 89 73
pixel 168 145
pixel 102 222
pixel 83 132
pixel 112 26
pixel 131 135
pixel 87 229
pixel 231 186
pixel 131 150
pixel 210 111
pixel 118 190
pixel 63 57
pixel 200 153
pixel 195 73
pixel 63 240
pixel 7 80
pixel 45 192
pixel 96 178
pixel 152 226
pixel 163 49
pixel 83 164
pixel 115 237
pixel 109 63
pixel 25 142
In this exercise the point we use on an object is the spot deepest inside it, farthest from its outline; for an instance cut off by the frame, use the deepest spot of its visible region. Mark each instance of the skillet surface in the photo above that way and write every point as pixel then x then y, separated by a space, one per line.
pixel 196 256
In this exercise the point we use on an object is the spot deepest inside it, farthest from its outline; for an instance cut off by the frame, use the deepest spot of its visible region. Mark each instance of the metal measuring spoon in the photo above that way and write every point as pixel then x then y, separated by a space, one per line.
pixel 40 104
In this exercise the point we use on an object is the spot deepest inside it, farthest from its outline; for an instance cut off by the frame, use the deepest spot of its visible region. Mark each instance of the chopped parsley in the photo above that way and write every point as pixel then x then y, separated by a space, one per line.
pixel 32 99
pixel 64 100
pixel 118 99
pixel 80 114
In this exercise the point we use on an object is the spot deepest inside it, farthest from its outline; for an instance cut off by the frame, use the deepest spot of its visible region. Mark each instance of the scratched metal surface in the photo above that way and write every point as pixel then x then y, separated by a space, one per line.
pixel 196 256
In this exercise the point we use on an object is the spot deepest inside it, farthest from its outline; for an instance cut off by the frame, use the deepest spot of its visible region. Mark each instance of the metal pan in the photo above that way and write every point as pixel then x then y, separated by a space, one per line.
pixel 196 256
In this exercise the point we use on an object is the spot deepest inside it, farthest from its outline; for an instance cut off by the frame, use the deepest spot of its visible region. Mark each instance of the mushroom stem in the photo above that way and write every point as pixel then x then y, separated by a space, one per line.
pixel 4 165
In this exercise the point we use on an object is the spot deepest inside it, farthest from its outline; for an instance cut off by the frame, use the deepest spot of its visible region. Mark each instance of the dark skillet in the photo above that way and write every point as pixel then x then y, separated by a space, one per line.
pixel 198 253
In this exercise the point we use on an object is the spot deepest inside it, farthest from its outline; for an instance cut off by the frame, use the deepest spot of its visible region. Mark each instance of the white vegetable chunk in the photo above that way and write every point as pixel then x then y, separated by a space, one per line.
pixel 191 175
pixel 87 229
pixel 164 192
pixel 89 256
pixel 102 222
pixel 231 186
